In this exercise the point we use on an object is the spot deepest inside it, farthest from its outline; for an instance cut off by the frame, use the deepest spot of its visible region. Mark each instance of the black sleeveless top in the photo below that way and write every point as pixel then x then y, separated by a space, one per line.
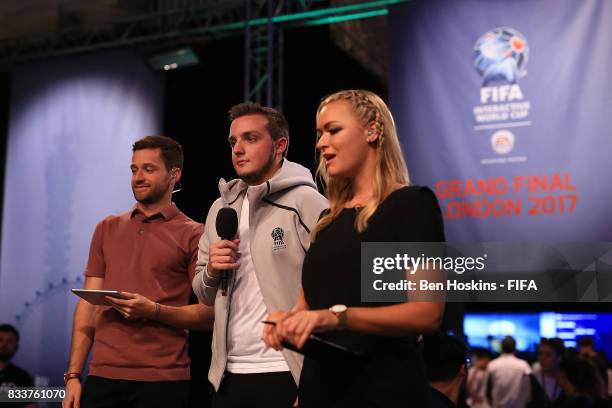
pixel 393 373
pixel 331 270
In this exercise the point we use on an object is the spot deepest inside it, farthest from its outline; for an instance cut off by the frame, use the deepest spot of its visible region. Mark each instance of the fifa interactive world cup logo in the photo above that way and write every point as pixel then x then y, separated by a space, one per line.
pixel 500 56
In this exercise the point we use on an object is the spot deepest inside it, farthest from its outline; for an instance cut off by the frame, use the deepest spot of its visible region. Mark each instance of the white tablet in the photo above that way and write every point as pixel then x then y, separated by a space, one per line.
pixel 96 296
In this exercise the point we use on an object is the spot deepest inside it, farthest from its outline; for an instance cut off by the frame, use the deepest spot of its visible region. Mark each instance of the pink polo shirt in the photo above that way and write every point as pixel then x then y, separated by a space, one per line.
pixel 156 258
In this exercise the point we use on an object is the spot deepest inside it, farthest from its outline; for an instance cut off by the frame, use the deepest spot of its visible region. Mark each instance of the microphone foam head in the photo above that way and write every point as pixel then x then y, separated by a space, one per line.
pixel 227 223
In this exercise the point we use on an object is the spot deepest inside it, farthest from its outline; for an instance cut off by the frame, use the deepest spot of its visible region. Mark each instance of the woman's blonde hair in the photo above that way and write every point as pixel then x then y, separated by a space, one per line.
pixel 390 165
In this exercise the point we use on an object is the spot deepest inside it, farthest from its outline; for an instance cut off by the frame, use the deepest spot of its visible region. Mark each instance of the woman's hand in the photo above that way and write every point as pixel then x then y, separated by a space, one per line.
pixel 270 334
pixel 296 327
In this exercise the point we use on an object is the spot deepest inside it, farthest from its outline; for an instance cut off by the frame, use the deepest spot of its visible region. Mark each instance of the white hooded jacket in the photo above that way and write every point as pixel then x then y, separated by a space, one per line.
pixel 282 212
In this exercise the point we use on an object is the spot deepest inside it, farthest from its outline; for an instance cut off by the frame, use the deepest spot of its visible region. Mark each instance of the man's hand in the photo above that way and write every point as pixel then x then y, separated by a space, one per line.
pixel 223 256
pixel 73 394
pixel 134 306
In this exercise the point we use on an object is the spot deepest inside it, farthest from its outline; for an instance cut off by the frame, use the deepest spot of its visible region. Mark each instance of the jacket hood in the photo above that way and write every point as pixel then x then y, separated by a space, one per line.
pixel 290 175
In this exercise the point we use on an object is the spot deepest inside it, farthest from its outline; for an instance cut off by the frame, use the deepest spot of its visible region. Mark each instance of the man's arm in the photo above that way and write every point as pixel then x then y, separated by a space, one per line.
pixel 215 256
pixel 190 317
pixel 83 329
pixel 204 283
pixel 310 210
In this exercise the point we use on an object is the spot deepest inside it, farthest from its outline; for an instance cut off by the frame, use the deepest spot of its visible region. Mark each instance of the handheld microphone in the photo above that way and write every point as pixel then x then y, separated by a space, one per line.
pixel 226 225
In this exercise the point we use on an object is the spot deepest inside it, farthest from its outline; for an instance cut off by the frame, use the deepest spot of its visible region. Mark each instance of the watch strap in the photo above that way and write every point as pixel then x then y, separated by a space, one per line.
pixel 70 376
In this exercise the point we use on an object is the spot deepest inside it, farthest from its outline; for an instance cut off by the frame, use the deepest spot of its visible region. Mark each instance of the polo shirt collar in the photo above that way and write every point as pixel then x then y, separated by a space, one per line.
pixel 167 213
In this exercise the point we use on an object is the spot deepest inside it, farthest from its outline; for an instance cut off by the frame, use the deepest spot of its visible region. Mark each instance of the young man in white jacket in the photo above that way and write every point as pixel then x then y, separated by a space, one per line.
pixel 277 203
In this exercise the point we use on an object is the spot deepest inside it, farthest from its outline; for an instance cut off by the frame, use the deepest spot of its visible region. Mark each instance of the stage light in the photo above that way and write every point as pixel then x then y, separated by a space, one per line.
pixel 174 59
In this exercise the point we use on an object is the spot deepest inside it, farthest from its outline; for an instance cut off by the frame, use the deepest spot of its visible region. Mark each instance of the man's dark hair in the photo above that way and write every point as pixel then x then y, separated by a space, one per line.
pixel 277 124
pixel 508 344
pixel 480 352
pixel 586 341
pixel 10 329
pixel 171 150
pixel 444 355
pixel 556 344
pixel 583 375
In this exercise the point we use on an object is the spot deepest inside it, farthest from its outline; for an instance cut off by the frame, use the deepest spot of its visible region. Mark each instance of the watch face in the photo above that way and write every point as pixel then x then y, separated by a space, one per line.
pixel 338 308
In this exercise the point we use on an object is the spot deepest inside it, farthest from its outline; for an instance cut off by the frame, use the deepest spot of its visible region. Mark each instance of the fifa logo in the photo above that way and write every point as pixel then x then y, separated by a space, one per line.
pixel 500 57
pixel 277 236
pixel 504 93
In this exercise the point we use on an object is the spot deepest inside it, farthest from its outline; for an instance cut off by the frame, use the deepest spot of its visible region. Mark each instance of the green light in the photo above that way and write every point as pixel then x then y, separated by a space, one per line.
pixel 339 19
pixel 316 15
pixel 335 10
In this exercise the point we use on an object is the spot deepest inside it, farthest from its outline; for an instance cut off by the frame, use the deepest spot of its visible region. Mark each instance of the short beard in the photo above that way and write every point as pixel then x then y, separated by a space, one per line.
pixel 153 197
pixel 256 177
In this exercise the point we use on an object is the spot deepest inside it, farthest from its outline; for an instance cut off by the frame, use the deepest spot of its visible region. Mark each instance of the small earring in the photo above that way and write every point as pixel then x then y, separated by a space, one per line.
pixel 370 132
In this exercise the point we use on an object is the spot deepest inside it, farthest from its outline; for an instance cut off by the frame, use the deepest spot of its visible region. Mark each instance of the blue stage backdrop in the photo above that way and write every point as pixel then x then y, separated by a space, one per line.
pixel 72 125
pixel 505 109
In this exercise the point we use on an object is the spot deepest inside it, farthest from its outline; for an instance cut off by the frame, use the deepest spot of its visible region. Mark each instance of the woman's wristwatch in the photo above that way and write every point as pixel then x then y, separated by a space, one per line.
pixel 340 312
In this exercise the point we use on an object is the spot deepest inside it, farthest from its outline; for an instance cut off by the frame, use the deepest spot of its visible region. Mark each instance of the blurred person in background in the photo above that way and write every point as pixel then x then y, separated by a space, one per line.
pixel 477 378
pixel 508 378
pixel 582 383
pixel 545 388
pixel 586 348
pixel 447 366
pixel 12 376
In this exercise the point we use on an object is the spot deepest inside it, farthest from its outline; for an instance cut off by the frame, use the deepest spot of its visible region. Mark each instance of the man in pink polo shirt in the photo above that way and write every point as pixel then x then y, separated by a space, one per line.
pixel 149 254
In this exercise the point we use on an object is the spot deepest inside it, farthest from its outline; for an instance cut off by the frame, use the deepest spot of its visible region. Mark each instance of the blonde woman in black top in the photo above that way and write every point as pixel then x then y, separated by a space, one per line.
pixel 366 179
